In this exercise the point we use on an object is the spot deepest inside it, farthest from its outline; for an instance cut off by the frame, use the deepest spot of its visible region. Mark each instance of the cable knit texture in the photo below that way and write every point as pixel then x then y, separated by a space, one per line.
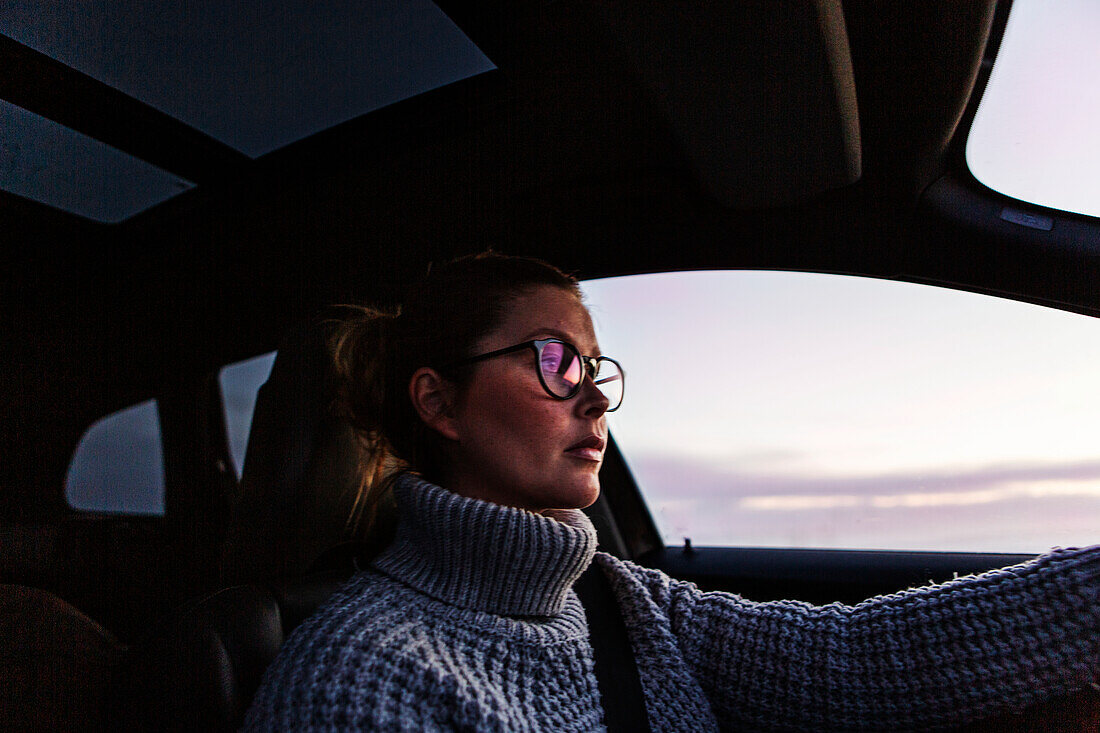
pixel 468 622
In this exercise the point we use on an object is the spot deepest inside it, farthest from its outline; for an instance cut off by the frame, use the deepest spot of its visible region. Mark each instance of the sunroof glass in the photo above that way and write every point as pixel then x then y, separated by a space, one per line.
pixel 1035 133
pixel 255 75
pixel 49 163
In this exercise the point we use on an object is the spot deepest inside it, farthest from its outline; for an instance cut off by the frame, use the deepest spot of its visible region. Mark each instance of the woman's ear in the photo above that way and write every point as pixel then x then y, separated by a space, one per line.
pixel 433 398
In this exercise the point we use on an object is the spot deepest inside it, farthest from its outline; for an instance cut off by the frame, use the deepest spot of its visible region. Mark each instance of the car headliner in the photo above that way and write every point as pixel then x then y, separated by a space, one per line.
pixel 574 150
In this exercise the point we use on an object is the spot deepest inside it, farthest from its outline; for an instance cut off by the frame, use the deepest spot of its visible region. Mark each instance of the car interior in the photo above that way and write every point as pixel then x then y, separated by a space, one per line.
pixel 609 138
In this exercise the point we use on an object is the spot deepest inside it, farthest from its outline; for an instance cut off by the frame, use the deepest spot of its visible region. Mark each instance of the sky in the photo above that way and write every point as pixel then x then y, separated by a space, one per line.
pixel 118 466
pixel 1035 134
pixel 781 408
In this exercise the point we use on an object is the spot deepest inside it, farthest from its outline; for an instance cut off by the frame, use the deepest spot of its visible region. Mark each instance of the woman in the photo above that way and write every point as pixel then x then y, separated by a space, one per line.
pixel 482 409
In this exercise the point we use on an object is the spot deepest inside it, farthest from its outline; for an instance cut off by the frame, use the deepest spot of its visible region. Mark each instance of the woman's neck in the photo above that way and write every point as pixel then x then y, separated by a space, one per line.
pixel 484 556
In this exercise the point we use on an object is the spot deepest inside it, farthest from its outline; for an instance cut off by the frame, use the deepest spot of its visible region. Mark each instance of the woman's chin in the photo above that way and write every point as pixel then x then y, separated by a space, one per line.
pixel 578 497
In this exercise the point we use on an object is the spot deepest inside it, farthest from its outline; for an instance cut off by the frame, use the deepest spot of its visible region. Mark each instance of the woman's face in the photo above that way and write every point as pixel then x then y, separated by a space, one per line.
pixel 516 444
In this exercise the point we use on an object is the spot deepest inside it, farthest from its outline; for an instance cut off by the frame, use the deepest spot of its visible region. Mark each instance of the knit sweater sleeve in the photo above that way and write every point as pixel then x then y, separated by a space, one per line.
pixel 926 657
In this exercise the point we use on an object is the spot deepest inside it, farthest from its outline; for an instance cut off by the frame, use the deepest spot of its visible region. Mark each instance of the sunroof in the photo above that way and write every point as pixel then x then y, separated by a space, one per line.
pixel 255 75
pixel 49 163
pixel 1035 133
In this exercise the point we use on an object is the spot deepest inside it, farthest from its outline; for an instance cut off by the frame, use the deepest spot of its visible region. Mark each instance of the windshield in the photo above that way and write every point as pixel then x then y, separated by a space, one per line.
pixel 1034 136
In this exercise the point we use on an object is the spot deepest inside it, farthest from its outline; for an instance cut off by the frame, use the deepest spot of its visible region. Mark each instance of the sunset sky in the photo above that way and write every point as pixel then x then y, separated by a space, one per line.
pixel 819 410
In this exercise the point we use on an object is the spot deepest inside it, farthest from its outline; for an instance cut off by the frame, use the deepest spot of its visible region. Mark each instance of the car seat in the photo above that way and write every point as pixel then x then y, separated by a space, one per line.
pixel 300 481
pixel 291 544
pixel 200 668
pixel 54 663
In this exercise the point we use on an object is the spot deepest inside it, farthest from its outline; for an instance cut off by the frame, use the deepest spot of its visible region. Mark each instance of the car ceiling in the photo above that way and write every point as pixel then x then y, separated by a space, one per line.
pixel 581 148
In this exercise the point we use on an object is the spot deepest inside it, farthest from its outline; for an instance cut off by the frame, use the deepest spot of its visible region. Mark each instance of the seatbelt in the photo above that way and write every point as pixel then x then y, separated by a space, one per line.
pixel 616 671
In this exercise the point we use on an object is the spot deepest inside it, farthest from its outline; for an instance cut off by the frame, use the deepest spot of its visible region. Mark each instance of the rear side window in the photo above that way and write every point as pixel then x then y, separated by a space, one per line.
pixel 784 409
pixel 240 383
pixel 118 466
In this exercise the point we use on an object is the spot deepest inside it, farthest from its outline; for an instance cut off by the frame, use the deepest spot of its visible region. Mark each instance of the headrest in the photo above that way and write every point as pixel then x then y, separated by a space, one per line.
pixel 301 470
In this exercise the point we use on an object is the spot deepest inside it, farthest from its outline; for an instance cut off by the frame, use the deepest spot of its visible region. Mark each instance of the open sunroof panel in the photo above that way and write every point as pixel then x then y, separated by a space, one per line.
pixel 52 164
pixel 253 75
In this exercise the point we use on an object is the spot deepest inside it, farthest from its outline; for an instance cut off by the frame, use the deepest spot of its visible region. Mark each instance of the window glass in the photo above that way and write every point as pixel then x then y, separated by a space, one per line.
pixel 255 75
pixel 49 163
pixel 239 384
pixel 804 410
pixel 1034 136
pixel 118 466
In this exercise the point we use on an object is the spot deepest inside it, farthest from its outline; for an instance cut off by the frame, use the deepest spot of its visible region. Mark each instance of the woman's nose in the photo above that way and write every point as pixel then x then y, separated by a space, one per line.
pixel 591 401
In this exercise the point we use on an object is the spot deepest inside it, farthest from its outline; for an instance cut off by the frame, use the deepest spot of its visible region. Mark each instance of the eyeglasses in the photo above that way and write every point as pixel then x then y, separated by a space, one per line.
pixel 561 369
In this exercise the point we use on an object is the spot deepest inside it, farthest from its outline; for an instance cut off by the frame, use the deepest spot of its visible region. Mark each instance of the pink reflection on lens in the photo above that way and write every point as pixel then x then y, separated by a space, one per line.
pixel 573 372
pixel 551 358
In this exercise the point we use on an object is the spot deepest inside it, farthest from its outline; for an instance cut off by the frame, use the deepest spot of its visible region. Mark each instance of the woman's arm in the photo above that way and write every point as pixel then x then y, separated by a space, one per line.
pixel 926 657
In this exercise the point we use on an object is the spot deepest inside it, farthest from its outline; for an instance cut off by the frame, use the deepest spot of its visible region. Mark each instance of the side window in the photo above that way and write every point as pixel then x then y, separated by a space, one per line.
pixel 788 409
pixel 239 384
pixel 118 466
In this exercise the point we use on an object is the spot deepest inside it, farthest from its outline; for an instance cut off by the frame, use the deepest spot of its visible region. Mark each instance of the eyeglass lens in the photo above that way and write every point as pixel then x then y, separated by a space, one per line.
pixel 562 371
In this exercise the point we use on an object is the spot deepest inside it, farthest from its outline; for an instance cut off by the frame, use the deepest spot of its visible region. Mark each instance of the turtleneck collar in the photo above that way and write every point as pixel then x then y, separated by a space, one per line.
pixel 484 556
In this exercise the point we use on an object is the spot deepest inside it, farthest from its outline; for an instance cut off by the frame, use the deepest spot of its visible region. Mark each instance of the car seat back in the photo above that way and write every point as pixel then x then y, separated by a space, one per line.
pixel 300 483
pixel 297 509
pixel 55 663
pixel 200 669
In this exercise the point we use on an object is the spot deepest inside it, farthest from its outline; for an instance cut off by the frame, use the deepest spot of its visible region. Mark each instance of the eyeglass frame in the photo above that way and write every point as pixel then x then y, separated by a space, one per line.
pixel 588 362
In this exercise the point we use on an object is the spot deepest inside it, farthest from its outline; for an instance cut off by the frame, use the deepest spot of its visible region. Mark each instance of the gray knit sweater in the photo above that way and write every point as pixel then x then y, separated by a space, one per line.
pixel 468 622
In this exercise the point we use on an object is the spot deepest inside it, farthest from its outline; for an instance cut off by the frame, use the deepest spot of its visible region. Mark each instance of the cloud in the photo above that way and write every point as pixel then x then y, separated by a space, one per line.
pixel 1026 507
pixel 984 483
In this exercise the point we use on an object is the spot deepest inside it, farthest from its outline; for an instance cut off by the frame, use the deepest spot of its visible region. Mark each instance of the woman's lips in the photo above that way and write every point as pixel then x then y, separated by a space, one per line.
pixel 590 448
pixel 588 454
